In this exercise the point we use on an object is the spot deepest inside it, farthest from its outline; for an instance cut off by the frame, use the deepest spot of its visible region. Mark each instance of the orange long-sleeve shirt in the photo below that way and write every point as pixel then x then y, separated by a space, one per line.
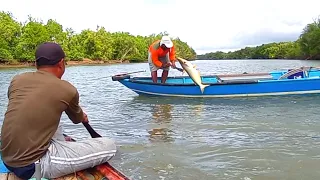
pixel 156 52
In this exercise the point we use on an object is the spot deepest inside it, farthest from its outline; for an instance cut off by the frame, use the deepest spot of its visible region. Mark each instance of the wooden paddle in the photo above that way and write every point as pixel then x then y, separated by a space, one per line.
pixel 91 131
pixel 106 169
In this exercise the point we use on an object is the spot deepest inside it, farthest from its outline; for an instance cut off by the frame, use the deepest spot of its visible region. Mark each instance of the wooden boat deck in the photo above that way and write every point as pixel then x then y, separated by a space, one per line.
pixel 104 171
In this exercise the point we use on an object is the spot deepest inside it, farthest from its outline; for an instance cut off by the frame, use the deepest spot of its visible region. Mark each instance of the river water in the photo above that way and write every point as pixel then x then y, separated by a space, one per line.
pixel 254 138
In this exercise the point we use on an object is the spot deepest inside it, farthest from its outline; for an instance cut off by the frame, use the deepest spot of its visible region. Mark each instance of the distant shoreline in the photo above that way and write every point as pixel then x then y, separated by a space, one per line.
pixel 69 63
pixel 85 62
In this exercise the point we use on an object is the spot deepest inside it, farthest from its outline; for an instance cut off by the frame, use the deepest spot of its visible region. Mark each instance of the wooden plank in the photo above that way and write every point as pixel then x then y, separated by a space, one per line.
pixel 8 176
pixel 105 169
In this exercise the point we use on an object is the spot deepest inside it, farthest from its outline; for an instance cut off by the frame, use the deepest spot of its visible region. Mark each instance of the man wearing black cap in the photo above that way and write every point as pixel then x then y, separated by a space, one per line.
pixel 36 103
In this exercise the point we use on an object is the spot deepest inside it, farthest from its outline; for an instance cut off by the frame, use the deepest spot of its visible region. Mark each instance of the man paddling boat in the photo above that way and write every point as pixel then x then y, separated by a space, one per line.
pixel 30 133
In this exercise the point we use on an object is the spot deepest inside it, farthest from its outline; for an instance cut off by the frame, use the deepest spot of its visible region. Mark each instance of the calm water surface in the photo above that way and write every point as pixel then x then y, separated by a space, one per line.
pixel 176 138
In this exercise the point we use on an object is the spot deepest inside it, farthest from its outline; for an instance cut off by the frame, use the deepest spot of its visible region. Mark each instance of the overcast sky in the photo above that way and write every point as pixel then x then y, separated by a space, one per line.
pixel 206 25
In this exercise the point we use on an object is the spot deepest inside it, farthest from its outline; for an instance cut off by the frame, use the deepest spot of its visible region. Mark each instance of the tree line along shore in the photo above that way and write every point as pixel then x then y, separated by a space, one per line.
pixel 18 41
pixel 306 47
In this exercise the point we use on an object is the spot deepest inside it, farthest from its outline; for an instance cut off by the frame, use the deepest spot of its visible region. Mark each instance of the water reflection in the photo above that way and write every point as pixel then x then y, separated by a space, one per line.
pixel 160 124
pixel 198 138
pixel 198 109
pixel 161 113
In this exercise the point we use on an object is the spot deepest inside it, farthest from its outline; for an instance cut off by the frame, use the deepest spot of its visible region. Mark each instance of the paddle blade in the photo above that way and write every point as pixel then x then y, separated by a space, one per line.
pixel 91 131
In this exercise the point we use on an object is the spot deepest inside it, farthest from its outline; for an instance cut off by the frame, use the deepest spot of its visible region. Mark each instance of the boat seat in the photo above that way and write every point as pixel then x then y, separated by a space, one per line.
pixel 246 78
pixel 295 73
pixel 5 173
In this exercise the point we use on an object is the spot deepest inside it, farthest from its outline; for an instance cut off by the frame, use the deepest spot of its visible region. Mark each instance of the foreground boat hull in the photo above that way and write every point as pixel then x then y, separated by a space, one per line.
pixel 242 86
pixel 104 171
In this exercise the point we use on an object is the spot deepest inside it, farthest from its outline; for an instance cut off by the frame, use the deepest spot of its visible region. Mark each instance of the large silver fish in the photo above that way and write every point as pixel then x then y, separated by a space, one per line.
pixel 193 73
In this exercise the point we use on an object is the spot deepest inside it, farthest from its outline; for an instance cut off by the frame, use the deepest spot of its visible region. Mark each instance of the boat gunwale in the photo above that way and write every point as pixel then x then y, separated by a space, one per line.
pixel 137 80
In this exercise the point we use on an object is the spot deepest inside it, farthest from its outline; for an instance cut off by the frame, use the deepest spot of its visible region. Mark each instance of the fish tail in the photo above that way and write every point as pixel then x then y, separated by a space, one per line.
pixel 202 87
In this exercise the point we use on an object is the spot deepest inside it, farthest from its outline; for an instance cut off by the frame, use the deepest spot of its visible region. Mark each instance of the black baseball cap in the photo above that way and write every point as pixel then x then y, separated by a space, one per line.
pixel 49 53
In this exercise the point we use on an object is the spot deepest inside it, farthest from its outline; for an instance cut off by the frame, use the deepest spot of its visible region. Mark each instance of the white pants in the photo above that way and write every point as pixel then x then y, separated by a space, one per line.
pixel 65 157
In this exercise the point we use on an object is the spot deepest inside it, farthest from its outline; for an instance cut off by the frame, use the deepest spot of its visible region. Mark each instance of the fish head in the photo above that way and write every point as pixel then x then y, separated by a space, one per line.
pixel 181 61
pixel 184 63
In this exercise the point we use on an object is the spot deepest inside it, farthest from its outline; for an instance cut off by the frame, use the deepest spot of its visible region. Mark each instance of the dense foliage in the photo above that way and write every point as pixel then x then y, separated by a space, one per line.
pixel 307 46
pixel 18 42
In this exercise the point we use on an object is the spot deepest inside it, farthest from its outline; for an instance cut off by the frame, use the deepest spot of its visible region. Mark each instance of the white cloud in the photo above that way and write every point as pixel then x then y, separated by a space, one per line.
pixel 206 25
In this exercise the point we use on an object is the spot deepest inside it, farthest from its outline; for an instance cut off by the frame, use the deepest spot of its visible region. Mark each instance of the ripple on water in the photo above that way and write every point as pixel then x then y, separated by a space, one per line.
pixel 188 138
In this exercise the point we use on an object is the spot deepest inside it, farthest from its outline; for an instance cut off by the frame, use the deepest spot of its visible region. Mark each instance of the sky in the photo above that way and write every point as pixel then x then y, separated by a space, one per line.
pixel 206 25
